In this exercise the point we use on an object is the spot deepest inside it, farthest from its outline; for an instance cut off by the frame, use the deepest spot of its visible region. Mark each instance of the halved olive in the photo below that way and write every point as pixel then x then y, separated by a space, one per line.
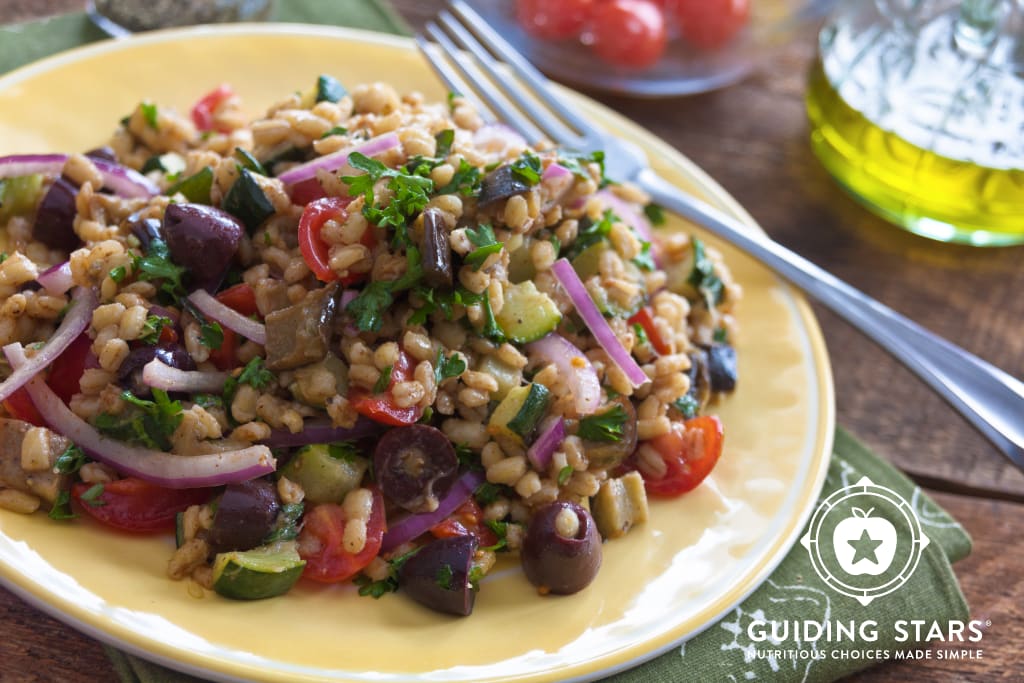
pixel 562 549
pixel 437 576
pixel 415 466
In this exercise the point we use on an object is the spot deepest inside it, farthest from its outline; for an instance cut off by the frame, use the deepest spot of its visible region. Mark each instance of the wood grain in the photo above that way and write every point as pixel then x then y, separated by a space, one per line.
pixel 752 137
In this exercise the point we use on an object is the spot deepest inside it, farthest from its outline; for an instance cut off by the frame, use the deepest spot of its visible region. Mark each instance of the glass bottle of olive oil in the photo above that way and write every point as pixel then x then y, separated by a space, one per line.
pixel 917 108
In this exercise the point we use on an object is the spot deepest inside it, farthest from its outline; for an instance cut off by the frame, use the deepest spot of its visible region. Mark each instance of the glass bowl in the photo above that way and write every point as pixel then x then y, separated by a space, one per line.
pixel 682 69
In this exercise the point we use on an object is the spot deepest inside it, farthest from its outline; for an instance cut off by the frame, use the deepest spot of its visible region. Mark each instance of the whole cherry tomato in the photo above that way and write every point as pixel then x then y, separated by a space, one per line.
pixel 709 24
pixel 689 450
pixel 321 542
pixel 553 20
pixel 628 33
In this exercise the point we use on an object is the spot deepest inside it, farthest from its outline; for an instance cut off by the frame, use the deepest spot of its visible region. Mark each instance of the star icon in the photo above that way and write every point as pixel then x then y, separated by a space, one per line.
pixel 865 548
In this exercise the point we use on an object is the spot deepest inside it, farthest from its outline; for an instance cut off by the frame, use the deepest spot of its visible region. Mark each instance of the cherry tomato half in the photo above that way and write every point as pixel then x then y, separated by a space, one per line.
pixel 315 251
pixel 553 20
pixel 709 24
pixel 628 33
pixel 381 407
pixel 467 520
pixel 306 191
pixel 68 368
pixel 645 318
pixel 135 505
pixel 203 110
pixel 321 542
pixel 241 298
pixel 689 451
pixel 19 405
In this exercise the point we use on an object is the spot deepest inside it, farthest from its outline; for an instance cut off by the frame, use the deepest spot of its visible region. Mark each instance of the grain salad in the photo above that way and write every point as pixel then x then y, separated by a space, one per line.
pixel 362 338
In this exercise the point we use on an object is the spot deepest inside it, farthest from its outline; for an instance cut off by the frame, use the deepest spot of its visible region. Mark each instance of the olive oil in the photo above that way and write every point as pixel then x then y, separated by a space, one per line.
pixel 931 143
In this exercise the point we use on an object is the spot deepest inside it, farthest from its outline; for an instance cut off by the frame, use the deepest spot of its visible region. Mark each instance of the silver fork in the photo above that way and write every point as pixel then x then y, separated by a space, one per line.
pixel 992 400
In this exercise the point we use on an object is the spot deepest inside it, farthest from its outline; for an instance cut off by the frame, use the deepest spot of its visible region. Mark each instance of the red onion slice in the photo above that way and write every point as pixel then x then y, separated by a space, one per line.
pixel 407 528
pixel 335 160
pixel 229 317
pixel 163 469
pixel 124 181
pixel 587 309
pixel 552 434
pixel 57 279
pixel 574 368
pixel 159 375
pixel 78 317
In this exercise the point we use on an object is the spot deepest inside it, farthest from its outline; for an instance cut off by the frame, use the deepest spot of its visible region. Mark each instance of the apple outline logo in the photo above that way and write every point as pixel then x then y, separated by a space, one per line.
pixel 831 575
pixel 861 525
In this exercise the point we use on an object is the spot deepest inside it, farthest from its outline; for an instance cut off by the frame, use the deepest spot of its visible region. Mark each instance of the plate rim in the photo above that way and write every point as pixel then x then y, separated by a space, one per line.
pixel 811 336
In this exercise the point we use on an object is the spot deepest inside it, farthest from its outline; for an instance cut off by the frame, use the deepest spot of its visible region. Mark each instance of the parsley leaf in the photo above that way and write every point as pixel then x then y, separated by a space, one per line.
pixel 211 334
pixel 703 277
pixel 591 232
pixel 687 405
pixel 486 243
pixel 156 265
pixel 641 334
pixel 655 214
pixel 486 493
pixel 375 589
pixel 337 130
pixel 565 474
pixel 443 301
pixel 153 327
pixel 444 576
pixel 195 187
pixel 528 168
pixel 343 450
pixel 575 162
pixel 286 525
pixel 368 308
pixel 255 374
pixel 409 193
pixel 644 260
pixel 607 426
pixel 92 496
pixel 149 113
pixel 62 507
pixel 329 89
pixel 721 335
pixel 71 460
pixel 117 274
pixel 492 330
pixel 467 457
pixel 149 423
pixel 466 180
pixel 445 368
pixel 384 381
pixel 500 530
pixel 444 143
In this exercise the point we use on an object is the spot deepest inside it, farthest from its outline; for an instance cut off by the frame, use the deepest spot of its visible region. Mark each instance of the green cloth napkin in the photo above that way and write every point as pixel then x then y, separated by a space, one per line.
pixel 794 591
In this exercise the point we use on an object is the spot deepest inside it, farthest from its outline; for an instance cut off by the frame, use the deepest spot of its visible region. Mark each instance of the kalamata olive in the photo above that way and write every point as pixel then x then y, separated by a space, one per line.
pixel 437 252
pixel 415 466
pixel 147 230
pixel 501 183
pixel 722 367
pixel 203 239
pixel 437 576
pixel 562 549
pixel 608 454
pixel 245 516
pixel 129 375
pixel 55 219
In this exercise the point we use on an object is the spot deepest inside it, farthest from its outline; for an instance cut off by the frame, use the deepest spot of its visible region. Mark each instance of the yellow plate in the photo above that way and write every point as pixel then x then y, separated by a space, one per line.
pixel 666 581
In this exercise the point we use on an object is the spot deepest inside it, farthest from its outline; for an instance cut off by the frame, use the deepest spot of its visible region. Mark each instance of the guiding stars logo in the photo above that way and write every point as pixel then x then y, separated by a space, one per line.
pixel 865 541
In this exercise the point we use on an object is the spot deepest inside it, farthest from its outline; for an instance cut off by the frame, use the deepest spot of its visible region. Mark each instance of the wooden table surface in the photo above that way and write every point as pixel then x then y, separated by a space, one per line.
pixel 752 138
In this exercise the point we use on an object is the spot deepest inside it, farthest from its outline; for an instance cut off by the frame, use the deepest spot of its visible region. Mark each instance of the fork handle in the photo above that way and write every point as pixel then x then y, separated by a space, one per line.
pixel 990 399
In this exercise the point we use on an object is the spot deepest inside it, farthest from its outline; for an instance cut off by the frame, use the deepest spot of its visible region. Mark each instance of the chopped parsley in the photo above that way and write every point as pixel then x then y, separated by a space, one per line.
pixel 703 277
pixel 528 168
pixel 607 426
pixel 153 327
pixel 255 374
pixel 329 89
pixel 486 243
pixel 467 457
pixel 492 330
pixel 444 143
pixel 384 381
pixel 641 334
pixel 576 162
pixel 687 405
pixel 343 450
pixel 444 577
pixel 655 214
pixel 62 507
pixel 3 256
pixel 118 273
pixel 208 401
pixel 410 193
pixel 211 334
pixel 286 525
pixel 156 265
pixel 500 530
pixel 71 460
pixel 446 368
pixel 465 181
pixel 337 130
pixel 486 493
pixel 149 114
pixel 591 232
pixel 368 308
pixel 149 423
pixel 721 335
pixel 565 474
pixel 92 496
pixel 375 589
pixel 443 301
pixel 644 260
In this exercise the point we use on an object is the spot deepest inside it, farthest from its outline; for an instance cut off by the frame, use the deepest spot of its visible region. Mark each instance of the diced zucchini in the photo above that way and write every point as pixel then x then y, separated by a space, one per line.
pixel 588 262
pixel 247 201
pixel 520 265
pixel 619 504
pixel 324 477
pixel 527 314
pixel 507 377
pixel 263 572
pixel 19 195
pixel 518 415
